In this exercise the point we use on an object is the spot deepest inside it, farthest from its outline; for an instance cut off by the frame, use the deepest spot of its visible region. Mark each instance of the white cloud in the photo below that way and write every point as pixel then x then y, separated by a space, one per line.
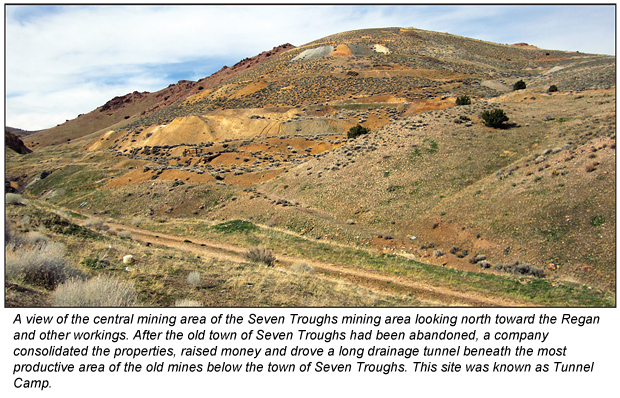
pixel 62 61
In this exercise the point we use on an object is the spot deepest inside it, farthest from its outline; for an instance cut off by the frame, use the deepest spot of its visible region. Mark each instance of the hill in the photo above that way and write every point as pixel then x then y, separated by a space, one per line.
pixel 135 106
pixel 258 154
pixel 14 143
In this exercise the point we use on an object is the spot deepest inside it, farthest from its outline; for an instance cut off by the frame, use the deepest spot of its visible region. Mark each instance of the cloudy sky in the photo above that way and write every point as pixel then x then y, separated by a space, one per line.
pixel 65 60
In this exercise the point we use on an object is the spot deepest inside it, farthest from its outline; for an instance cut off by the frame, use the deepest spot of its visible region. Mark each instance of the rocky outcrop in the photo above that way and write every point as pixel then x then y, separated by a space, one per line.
pixel 15 143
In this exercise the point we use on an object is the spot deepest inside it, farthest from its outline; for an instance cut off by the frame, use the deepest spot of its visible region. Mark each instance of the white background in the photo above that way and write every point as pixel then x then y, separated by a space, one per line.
pixel 590 343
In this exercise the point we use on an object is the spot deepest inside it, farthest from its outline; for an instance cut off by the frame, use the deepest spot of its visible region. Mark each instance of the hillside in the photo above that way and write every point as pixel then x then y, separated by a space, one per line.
pixel 135 106
pixel 258 154
pixel 14 143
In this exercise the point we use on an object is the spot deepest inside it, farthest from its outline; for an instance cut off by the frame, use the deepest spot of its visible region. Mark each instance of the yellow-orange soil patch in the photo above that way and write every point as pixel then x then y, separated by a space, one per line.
pixel 342 51
pixel 420 106
pixel 250 89
pixel 137 176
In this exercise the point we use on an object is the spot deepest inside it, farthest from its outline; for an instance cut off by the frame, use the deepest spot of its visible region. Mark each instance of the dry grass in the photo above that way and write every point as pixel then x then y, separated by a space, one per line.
pixel 40 264
pixel 302 268
pixel 261 255
pixel 124 234
pixel 101 291
pixel 277 287
pixel 187 303
pixel 95 224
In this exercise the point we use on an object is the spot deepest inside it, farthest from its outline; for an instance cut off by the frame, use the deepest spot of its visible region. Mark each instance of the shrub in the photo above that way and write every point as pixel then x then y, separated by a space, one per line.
pixel 96 262
pixel 187 303
pixel 193 278
pixel 520 85
pixel 65 214
pixel 95 224
pixel 33 238
pixel 101 291
pixel 494 118
pixel 537 272
pixel 356 131
pixel 590 167
pixel 42 265
pixel 553 88
pixel 260 255
pixel 10 237
pixel 302 268
pixel 463 100
pixel 597 221
pixel 13 199
pixel 124 234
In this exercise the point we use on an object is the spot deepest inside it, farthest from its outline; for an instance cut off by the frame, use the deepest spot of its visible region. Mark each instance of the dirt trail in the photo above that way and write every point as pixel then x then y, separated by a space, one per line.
pixel 429 295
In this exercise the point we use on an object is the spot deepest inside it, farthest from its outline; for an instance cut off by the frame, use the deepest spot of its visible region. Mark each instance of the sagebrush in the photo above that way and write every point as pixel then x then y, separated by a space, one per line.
pixel 193 278
pixel 261 255
pixel 101 291
pixel 41 264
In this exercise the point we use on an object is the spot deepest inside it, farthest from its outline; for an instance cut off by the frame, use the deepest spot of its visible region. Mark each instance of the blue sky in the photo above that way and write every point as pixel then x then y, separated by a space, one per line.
pixel 65 60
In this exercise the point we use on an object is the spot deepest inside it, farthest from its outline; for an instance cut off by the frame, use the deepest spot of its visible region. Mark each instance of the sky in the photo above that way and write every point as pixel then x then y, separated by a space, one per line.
pixel 61 61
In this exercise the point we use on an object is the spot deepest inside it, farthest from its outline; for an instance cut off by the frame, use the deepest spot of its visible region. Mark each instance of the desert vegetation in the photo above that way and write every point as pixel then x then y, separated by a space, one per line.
pixel 463 100
pixel 520 85
pixel 261 255
pixel 494 118
pixel 100 291
pixel 356 131
pixel 387 178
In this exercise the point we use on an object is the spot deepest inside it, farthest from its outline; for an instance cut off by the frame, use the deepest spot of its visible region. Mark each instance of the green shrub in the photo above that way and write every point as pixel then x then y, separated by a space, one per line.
pixel 261 255
pixel 40 265
pixel 463 100
pixel 520 85
pixel 356 131
pixel 101 291
pixel 494 118
pixel 597 221
pixel 553 88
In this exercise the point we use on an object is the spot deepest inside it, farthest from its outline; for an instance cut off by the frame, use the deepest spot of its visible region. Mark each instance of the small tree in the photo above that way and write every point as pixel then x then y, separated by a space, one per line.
pixel 494 118
pixel 553 88
pixel 463 100
pixel 356 131
pixel 520 85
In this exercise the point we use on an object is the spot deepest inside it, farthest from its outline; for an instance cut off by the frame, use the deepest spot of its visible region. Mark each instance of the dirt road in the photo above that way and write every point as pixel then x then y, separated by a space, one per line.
pixel 377 281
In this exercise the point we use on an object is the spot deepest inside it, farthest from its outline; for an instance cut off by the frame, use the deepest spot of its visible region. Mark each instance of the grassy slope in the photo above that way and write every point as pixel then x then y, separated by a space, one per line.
pixel 446 183
pixel 160 274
